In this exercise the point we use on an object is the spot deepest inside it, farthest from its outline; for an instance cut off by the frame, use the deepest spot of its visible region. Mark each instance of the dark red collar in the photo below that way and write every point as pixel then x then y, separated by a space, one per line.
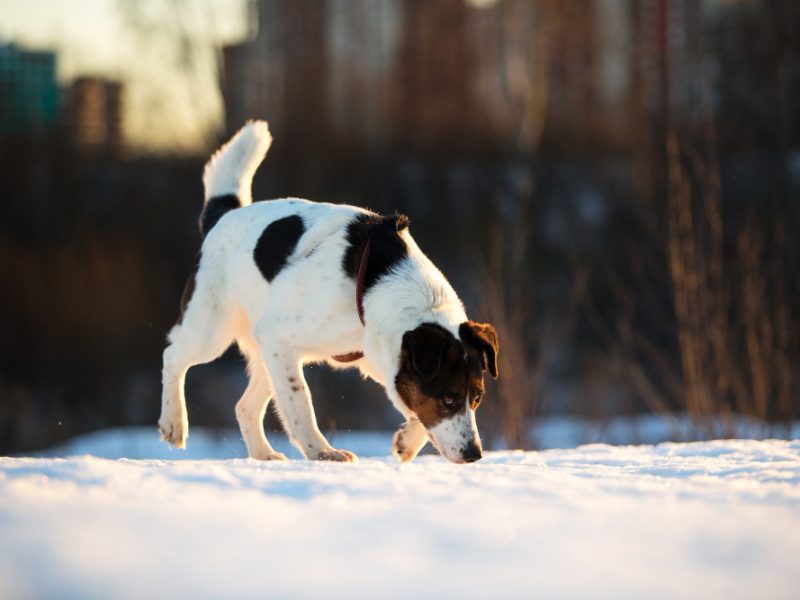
pixel 362 271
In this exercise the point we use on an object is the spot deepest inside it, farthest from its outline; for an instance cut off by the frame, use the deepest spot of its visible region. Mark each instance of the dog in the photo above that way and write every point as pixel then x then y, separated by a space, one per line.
pixel 292 282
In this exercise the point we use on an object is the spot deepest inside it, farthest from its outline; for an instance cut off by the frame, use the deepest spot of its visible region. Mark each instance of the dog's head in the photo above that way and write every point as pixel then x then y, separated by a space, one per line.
pixel 440 379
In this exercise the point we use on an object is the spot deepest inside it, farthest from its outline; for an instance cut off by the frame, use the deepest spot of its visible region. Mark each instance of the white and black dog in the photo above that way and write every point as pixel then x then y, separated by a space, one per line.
pixel 292 282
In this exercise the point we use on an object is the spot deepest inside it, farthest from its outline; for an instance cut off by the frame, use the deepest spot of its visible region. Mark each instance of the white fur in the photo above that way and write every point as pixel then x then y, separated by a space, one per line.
pixel 452 436
pixel 409 440
pixel 307 313
pixel 230 170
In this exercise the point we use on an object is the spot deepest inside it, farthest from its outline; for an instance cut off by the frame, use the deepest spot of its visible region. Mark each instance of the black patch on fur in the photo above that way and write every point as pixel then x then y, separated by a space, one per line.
pixel 188 289
pixel 426 345
pixel 215 209
pixel 387 248
pixel 276 245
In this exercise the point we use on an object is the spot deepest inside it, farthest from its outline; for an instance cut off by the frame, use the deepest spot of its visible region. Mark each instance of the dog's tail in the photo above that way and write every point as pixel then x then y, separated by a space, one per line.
pixel 228 175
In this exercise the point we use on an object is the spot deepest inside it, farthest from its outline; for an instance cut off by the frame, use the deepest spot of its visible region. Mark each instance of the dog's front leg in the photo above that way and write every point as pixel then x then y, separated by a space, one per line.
pixel 409 440
pixel 294 405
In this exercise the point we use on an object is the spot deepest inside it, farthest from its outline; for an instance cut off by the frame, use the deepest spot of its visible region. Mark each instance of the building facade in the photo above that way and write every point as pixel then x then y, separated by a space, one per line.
pixel 458 75
pixel 29 92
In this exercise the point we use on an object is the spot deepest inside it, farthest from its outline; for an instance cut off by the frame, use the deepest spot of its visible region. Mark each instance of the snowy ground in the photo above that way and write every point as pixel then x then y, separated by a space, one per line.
pixel 703 520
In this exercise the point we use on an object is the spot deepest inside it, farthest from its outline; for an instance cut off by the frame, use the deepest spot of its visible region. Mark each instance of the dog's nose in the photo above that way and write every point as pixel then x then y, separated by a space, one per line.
pixel 472 453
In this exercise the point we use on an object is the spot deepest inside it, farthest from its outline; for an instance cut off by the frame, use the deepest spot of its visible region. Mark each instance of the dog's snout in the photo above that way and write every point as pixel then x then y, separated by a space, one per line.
pixel 472 453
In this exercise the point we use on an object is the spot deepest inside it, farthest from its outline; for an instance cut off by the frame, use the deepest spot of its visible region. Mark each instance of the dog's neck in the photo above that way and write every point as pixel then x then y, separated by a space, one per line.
pixel 415 292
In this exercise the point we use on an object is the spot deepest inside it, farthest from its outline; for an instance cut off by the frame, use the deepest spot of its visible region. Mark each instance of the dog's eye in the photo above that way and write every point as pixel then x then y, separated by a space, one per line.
pixel 476 394
pixel 449 399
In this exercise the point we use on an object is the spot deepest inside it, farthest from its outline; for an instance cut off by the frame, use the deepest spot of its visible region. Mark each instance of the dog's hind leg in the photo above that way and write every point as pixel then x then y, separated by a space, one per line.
pixel 294 402
pixel 201 336
pixel 252 406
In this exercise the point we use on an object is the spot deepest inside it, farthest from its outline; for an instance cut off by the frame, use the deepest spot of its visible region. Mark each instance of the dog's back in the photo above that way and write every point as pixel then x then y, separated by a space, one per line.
pixel 280 259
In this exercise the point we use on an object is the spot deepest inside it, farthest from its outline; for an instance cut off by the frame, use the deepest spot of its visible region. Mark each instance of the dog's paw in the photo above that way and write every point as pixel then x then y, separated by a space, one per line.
pixel 336 455
pixel 268 456
pixel 174 431
pixel 400 450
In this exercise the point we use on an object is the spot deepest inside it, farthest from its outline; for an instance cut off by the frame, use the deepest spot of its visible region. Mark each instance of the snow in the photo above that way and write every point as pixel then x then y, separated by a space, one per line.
pixel 550 432
pixel 143 442
pixel 709 519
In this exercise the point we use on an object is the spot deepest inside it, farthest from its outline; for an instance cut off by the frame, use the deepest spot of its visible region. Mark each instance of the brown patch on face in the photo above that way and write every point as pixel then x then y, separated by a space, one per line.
pixel 437 374
pixel 427 408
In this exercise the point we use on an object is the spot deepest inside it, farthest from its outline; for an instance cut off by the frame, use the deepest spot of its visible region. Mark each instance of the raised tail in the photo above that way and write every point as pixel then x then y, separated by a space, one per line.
pixel 228 175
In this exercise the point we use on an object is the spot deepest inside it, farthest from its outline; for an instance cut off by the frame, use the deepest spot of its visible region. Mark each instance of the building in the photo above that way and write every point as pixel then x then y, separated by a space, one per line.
pixel 458 75
pixel 29 93
pixel 92 114
pixel 363 39
pixel 88 110
pixel 280 75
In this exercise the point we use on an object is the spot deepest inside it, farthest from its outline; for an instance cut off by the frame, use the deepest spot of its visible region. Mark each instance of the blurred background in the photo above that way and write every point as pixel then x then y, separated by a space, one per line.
pixel 613 183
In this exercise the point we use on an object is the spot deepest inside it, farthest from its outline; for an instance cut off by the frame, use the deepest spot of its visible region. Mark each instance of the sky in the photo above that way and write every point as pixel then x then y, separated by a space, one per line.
pixel 165 51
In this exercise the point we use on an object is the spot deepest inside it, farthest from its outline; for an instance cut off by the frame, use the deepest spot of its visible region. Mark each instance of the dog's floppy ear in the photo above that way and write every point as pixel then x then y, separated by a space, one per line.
pixel 482 337
pixel 396 222
pixel 401 222
pixel 425 346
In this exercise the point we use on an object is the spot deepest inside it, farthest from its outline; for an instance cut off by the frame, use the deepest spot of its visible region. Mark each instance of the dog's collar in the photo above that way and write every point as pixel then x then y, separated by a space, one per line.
pixel 362 271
